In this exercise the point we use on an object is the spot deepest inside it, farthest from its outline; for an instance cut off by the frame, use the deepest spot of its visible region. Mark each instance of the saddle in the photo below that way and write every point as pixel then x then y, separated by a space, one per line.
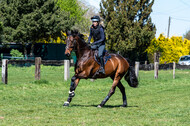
pixel 106 56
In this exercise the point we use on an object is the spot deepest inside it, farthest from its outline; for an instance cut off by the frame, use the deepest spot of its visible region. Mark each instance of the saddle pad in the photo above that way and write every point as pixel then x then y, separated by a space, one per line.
pixel 106 57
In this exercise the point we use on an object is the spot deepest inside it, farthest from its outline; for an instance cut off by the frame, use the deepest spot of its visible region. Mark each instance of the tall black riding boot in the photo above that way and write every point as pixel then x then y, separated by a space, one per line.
pixel 101 70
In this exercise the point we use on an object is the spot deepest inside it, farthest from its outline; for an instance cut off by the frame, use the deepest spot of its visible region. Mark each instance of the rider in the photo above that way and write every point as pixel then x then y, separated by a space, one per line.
pixel 97 32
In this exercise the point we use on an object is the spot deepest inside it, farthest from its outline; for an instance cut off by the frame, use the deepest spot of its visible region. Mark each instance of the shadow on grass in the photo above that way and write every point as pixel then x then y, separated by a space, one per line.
pixel 42 81
pixel 105 106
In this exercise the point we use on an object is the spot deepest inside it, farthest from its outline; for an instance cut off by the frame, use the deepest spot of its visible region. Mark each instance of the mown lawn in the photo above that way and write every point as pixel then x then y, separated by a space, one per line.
pixel 161 102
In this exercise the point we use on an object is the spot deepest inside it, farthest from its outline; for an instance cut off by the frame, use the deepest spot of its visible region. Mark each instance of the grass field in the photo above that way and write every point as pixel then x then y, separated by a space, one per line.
pixel 161 102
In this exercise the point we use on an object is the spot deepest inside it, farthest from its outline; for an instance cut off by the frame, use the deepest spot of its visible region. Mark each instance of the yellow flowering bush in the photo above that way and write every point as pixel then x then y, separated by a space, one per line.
pixel 59 40
pixel 51 40
pixel 170 49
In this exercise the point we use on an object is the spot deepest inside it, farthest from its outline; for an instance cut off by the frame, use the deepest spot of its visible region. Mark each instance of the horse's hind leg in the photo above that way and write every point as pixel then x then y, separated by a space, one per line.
pixel 74 83
pixel 122 89
pixel 111 92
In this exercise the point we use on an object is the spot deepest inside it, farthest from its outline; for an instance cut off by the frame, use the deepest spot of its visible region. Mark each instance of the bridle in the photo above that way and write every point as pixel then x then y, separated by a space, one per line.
pixel 74 44
pixel 68 41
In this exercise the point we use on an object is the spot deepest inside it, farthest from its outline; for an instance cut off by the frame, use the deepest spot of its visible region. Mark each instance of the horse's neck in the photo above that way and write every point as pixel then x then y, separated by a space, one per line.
pixel 82 49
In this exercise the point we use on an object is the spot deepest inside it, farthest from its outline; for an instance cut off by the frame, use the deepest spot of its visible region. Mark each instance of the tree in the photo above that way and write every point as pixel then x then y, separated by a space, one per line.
pixel 187 35
pixel 73 7
pixel 26 21
pixel 85 23
pixel 80 11
pixel 128 25
pixel 1 31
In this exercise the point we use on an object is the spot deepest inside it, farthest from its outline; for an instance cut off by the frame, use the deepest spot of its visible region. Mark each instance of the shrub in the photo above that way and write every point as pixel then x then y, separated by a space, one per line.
pixel 16 53
pixel 170 49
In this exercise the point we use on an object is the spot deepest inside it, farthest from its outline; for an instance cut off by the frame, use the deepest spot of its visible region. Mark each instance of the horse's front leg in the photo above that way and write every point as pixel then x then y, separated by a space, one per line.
pixel 74 83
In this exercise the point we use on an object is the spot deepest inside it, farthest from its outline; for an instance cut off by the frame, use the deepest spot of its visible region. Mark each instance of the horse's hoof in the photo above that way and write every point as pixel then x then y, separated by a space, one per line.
pixel 99 106
pixel 123 106
pixel 66 104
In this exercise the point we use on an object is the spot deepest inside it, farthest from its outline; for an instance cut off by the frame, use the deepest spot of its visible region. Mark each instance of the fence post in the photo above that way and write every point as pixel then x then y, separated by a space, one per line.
pixel 66 70
pixel 174 65
pixel 37 67
pixel 155 59
pixel 5 71
pixel 145 62
pixel 156 66
pixel 72 62
pixel 145 65
pixel 137 68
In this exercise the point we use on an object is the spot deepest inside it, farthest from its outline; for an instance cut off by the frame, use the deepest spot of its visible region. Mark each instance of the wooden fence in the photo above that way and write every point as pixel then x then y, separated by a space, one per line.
pixel 163 66
pixel 156 66
pixel 4 63
pixel 32 62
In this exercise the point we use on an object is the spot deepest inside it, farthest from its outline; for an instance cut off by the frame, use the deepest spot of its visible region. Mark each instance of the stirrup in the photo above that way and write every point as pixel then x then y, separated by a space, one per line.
pixel 101 70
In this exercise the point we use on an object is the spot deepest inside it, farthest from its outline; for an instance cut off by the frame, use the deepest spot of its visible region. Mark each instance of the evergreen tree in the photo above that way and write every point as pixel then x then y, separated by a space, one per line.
pixel 187 35
pixel 26 21
pixel 128 26
pixel 1 31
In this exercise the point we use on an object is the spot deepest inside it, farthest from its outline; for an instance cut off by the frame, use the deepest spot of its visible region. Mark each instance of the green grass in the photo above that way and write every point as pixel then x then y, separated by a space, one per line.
pixel 161 102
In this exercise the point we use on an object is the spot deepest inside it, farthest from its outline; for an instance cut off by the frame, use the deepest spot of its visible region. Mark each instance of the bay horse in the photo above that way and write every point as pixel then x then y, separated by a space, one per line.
pixel 86 67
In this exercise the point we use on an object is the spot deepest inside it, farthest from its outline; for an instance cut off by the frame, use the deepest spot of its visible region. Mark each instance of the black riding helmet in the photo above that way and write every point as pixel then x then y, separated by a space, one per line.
pixel 95 18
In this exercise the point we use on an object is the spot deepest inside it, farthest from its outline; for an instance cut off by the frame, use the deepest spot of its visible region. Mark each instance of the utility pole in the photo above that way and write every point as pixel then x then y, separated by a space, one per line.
pixel 169 27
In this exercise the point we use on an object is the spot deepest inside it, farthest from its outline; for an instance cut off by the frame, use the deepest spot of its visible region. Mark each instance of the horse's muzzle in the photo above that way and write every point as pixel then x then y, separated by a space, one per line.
pixel 67 54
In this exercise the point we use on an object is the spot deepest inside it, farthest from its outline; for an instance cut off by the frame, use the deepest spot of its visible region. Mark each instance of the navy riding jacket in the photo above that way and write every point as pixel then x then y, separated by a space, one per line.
pixel 98 35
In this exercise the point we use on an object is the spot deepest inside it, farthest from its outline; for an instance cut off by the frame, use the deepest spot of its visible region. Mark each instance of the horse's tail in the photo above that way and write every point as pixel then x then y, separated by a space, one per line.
pixel 131 77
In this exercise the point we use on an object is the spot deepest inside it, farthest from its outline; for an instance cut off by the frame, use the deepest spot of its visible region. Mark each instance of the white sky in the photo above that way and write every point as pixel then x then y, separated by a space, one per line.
pixel 179 10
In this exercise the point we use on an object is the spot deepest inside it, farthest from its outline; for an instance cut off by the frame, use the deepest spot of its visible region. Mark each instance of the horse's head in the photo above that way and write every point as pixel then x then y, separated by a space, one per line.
pixel 75 41
pixel 70 43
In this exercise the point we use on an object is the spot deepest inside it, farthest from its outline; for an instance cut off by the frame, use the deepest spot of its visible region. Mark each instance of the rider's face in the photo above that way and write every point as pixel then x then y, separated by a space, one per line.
pixel 95 23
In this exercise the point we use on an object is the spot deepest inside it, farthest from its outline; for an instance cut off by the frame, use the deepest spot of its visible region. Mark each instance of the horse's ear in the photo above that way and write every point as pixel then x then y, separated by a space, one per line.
pixel 68 33
pixel 81 36
pixel 74 32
